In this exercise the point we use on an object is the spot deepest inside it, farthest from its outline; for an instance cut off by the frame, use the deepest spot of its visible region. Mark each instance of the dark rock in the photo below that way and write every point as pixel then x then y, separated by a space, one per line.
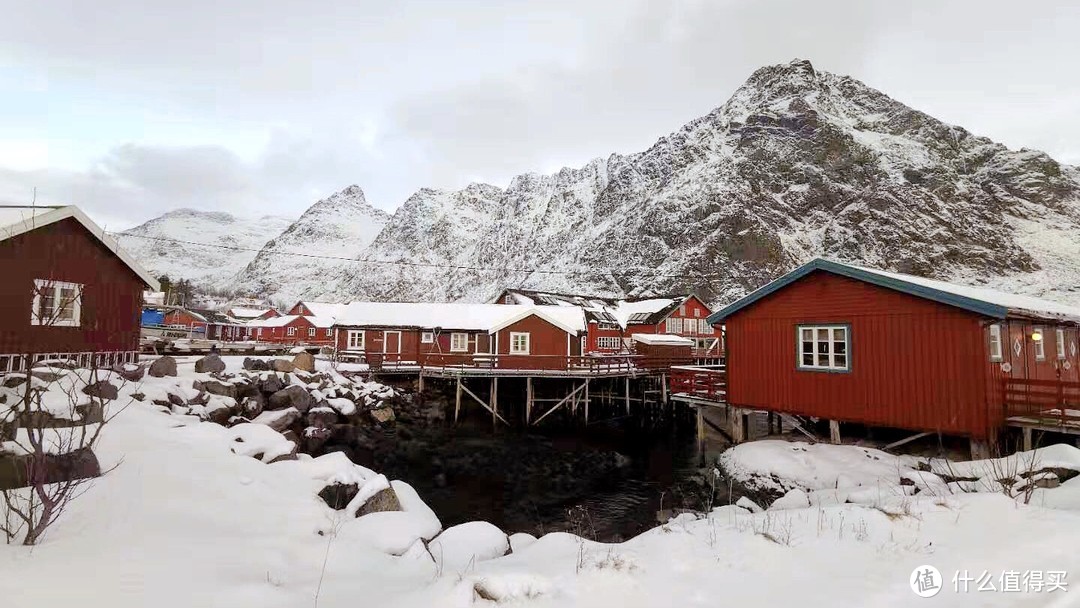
pixel 44 376
pixel 163 366
pixel 252 406
pixel 175 399
pixel 220 415
pixel 210 364
pixel 13 380
pixel 17 470
pixel 323 416
pixel 130 375
pixel 284 420
pixel 216 387
pixel 257 365
pixel 292 396
pixel 304 362
pixel 271 384
pixel 338 495
pixel 383 415
pixel 315 438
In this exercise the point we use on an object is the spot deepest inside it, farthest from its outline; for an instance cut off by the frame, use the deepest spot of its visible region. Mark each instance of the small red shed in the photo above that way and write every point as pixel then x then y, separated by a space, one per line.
pixel 854 344
pixel 68 289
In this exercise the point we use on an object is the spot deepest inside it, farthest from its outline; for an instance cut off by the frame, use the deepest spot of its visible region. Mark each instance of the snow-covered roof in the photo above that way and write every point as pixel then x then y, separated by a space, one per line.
pixel 247 313
pixel 321 309
pixel 644 311
pixel 476 317
pixel 989 302
pixel 662 339
pixel 648 311
pixel 281 321
pixel 16 220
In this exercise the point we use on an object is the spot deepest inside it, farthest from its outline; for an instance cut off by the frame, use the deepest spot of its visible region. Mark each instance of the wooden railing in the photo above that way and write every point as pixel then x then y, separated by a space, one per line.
pixel 701 381
pixel 1043 401
pixel 592 364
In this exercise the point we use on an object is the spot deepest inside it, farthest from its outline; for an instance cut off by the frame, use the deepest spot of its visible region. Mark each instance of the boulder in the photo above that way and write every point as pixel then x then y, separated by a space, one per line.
pixel 281 365
pixel 130 372
pixel 79 464
pixel 13 380
pixel 338 495
pixel 322 416
pixel 280 420
pixel 210 364
pixel 383 415
pixel 219 415
pixel 384 500
pixel 271 384
pixel 45 376
pixel 292 396
pixel 163 366
pixel 315 438
pixel 257 365
pixel 216 387
pixel 304 361
pixel 252 406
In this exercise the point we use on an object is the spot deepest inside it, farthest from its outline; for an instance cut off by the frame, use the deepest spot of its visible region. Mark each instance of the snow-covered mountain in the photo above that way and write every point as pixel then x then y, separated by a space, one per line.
pixel 158 244
pixel 798 163
pixel 341 225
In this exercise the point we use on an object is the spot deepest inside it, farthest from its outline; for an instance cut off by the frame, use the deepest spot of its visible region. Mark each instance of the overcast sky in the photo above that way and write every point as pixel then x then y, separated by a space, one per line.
pixel 134 107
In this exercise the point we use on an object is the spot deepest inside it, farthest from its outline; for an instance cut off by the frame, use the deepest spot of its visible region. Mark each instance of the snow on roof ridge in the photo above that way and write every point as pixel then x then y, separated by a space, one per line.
pixel 455 315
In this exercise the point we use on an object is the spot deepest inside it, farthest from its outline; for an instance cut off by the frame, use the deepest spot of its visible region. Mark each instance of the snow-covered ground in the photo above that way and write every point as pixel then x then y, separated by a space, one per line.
pixel 187 520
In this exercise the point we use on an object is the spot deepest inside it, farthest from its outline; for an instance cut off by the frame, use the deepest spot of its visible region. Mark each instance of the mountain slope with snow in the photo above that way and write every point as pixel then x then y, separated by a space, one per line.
pixel 341 225
pixel 157 244
pixel 798 163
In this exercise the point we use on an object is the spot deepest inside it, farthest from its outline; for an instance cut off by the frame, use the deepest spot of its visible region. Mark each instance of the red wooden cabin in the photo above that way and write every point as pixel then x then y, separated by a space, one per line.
pixel 291 329
pixel 68 290
pixel 852 344
pixel 459 335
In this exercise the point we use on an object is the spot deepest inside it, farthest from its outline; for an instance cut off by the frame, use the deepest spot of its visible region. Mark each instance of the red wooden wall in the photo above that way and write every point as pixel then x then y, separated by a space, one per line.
pixel 548 347
pixel 915 364
pixel 65 251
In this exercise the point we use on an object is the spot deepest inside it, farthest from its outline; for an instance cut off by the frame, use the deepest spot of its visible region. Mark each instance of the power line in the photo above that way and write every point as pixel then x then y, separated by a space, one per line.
pixel 650 272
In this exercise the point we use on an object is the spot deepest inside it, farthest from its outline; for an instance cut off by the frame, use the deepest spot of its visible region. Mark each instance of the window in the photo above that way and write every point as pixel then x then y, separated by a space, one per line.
pixel 673 326
pixel 1059 341
pixel 609 342
pixel 682 310
pixel 519 343
pixel 459 342
pixel 56 303
pixel 427 337
pixel 705 327
pixel 1039 346
pixel 311 332
pixel 356 339
pixel 291 331
pixel 697 312
pixel 995 342
pixel 329 332
pixel 258 332
pixel 823 347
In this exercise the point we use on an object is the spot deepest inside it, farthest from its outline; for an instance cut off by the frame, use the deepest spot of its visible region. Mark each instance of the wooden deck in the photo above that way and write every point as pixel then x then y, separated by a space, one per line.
pixel 1043 405
pixel 699 384
pixel 481 365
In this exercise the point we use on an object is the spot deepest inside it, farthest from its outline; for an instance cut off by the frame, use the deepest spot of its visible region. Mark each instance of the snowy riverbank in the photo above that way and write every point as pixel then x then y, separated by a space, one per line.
pixel 187 519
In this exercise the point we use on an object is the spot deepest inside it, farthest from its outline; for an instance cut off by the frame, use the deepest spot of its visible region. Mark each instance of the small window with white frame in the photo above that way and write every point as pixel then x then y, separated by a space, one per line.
pixel 609 342
pixel 356 339
pixel 1059 343
pixel 329 332
pixel 459 342
pixel 697 312
pixel 824 348
pixel 311 332
pixel 291 331
pixel 995 342
pixel 673 325
pixel 56 303
pixel 519 343
pixel 1039 345
pixel 427 337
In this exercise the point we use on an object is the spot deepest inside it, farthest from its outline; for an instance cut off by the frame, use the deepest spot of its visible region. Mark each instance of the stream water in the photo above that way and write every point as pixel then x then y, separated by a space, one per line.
pixel 605 482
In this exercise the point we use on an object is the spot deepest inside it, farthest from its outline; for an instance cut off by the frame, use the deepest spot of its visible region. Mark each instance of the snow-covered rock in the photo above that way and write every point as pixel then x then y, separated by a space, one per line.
pixel 463 545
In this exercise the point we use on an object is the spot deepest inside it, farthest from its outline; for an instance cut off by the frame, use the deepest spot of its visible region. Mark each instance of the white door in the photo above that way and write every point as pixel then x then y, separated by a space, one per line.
pixel 392 342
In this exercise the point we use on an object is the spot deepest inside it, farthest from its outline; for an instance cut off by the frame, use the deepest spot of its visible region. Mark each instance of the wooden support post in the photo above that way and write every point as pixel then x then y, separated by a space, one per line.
pixel 495 401
pixel 457 402
pixel 626 395
pixel 528 399
pixel 586 401
pixel 663 389
pixel 1027 438
pixel 980 449
pixel 834 431
pixel 738 427
pixel 485 404
pixel 565 399
pixel 420 387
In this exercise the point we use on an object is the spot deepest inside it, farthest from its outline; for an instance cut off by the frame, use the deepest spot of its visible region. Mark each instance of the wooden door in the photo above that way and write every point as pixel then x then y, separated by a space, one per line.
pixel 392 342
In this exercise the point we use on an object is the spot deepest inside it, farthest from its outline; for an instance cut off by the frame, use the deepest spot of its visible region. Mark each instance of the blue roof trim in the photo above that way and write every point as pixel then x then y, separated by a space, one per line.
pixel 971 304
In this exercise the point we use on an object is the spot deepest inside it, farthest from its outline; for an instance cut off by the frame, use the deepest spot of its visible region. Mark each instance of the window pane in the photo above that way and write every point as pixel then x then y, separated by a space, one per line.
pixel 823 360
pixel 839 334
pixel 823 335
pixel 823 347
pixel 808 347
pixel 808 359
pixel 48 304
pixel 807 334
pixel 840 361
pixel 840 348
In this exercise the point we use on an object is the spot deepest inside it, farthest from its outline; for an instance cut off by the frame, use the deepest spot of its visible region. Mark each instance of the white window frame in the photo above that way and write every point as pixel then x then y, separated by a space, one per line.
pixel 355 339
pixel 610 342
pixel 329 331
pixel 459 342
pixel 673 325
pixel 40 286
pixel 1059 343
pixel 697 312
pixel 311 332
pixel 427 337
pixel 1039 346
pixel 706 328
pixel 682 310
pixel 516 345
pixel 258 332
pixel 997 352
pixel 290 331
pixel 830 340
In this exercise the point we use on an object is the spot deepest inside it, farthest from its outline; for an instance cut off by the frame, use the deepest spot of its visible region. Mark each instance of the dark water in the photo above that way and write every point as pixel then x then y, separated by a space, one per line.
pixel 606 481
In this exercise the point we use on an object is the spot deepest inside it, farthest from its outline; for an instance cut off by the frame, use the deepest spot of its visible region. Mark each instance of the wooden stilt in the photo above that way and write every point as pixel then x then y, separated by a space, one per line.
pixel 457 402
pixel 700 435
pixel 528 399
pixel 495 401
pixel 562 401
pixel 834 431
pixel 1027 438
pixel 738 431
pixel 626 395
pixel 663 389
pixel 486 405
pixel 586 401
